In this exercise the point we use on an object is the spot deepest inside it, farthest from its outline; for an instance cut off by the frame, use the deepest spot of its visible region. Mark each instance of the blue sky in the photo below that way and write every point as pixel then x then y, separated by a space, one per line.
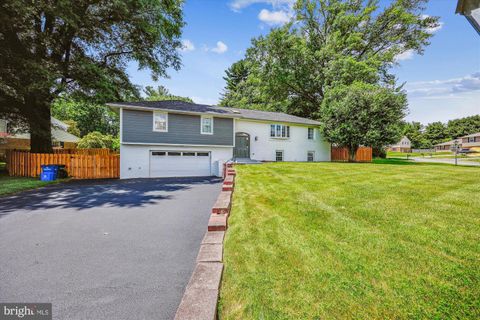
pixel 442 84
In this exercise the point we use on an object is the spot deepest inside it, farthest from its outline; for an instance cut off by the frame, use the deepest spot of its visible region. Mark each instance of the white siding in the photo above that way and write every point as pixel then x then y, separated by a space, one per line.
pixel 135 159
pixel 263 148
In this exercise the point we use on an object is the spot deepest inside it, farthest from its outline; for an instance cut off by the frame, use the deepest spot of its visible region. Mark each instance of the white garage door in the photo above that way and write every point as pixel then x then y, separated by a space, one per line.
pixel 179 164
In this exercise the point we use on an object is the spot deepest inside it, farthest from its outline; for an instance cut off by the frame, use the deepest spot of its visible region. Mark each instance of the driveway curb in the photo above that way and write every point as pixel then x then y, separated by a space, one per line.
pixel 199 302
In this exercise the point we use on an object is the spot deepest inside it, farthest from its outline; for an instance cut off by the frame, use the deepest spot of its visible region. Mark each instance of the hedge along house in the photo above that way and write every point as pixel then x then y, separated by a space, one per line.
pixel 10 139
pixel 175 138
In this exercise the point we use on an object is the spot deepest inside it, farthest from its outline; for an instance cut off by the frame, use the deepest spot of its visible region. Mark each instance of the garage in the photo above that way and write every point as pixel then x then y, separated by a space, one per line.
pixel 179 164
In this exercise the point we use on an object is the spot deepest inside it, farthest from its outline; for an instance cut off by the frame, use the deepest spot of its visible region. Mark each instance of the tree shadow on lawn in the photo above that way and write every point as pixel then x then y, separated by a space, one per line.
pixel 86 194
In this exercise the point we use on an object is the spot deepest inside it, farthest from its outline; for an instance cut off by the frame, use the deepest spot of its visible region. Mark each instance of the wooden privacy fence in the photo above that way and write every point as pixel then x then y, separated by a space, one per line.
pixel 364 154
pixel 78 166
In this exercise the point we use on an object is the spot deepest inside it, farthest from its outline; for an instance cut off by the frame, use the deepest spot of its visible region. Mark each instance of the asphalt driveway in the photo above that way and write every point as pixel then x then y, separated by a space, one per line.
pixel 118 249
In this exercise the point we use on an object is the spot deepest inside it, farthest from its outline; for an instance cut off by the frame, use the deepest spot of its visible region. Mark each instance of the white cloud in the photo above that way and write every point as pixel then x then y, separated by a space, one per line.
pixel 274 17
pixel 443 100
pixel 237 5
pixel 187 45
pixel 407 55
pixel 449 87
pixel 220 48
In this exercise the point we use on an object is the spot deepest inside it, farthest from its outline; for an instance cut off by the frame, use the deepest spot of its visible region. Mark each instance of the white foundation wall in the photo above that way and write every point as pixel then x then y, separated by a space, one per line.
pixel 135 159
pixel 263 147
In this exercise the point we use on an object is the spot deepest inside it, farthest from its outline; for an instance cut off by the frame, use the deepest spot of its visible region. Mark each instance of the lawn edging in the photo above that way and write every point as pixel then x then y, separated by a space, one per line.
pixel 200 298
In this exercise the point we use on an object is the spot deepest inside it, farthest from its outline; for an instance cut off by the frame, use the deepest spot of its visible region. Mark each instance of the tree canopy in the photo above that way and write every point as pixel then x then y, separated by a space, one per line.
pixel 161 94
pixel 331 47
pixel 437 132
pixel 327 43
pixel 362 114
pixel 80 48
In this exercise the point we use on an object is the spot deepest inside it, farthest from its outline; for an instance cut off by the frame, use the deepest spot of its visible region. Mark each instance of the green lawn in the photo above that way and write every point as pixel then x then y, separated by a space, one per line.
pixel 344 241
pixel 15 184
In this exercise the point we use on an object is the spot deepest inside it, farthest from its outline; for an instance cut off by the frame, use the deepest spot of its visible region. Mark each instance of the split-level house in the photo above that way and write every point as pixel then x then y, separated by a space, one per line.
pixel 175 138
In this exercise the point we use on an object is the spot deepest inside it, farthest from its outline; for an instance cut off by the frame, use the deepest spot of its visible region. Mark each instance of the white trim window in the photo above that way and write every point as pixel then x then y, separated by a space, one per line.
pixel 311 134
pixel 279 131
pixel 206 125
pixel 311 156
pixel 279 155
pixel 160 121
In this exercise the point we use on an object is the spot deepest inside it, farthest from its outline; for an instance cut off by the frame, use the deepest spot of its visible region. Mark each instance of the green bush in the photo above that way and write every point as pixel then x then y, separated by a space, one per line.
pixel 97 140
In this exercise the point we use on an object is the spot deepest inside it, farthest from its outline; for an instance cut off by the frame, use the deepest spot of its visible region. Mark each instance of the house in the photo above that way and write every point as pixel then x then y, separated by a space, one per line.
pixel 404 145
pixel 447 146
pixel 21 141
pixel 471 141
pixel 175 138
pixel 471 10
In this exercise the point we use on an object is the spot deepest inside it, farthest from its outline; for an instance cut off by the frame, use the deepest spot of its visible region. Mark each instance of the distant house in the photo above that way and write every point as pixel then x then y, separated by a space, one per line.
pixel 466 142
pixel 404 145
pixel 471 141
pixel 21 141
pixel 447 146
pixel 471 10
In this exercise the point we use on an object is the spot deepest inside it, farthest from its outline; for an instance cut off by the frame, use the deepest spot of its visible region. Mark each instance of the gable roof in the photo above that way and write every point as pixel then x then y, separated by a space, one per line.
pixel 181 107
pixel 448 143
pixel 59 132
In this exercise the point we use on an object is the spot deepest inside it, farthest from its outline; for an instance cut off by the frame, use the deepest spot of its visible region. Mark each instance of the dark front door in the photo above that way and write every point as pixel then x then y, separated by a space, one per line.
pixel 242 145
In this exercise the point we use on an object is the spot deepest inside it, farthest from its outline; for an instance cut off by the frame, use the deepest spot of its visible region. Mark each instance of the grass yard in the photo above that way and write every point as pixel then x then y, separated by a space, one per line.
pixel 344 241
pixel 15 184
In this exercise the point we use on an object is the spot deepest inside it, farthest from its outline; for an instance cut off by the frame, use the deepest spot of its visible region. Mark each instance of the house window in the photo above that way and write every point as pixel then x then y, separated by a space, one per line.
pixel 279 131
pixel 279 155
pixel 160 121
pixel 311 156
pixel 207 125
pixel 471 139
pixel 310 133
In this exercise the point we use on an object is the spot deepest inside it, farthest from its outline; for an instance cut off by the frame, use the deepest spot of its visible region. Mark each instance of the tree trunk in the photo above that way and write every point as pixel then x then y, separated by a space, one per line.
pixel 39 122
pixel 352 152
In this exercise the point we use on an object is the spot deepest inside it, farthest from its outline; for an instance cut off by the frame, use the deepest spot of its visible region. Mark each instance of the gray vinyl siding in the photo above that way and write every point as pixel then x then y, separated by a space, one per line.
pixel 137 127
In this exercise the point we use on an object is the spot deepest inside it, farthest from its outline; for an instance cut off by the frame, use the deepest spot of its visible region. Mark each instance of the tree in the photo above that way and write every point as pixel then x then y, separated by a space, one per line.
pixel 436 132
pixel 464 126
pixel 97 140
pixel 72 127
pixel 362 114
pixel 327 44
pixel 414 132
pixel 161 94
pixel 81 47
pixel 88 116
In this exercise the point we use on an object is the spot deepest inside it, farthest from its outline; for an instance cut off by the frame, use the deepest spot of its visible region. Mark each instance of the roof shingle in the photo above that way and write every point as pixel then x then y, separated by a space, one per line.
pixel 181 106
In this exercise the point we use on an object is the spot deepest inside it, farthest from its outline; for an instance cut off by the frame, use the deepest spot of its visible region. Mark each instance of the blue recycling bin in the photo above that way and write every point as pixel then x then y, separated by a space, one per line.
pixel 49 172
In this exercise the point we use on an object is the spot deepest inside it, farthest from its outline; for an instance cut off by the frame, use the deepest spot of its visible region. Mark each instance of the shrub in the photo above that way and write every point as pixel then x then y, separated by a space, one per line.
pixel 97 140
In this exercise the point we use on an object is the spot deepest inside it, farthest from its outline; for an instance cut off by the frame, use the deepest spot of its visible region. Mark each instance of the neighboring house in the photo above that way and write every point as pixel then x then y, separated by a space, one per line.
pixel 404 145
pixel 174 138
pixel 471 141
pixel 471 10
pixel 447 146
pixel 21 141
